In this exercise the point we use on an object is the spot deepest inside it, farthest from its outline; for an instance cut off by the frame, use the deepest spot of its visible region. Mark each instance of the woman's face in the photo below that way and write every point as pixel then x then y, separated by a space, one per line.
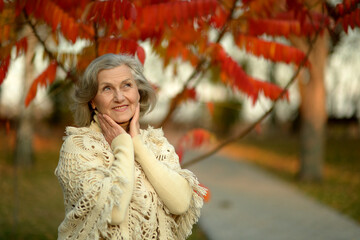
pixel 117 94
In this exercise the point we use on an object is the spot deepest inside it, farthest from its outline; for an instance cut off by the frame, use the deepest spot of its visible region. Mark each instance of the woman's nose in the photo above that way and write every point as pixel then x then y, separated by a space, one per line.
pixel 119 96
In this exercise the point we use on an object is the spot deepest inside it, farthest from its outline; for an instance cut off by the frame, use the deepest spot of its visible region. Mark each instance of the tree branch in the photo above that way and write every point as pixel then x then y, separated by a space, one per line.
pixel 200 69
pixel 96 40
pixel 267 113
pixel 47 51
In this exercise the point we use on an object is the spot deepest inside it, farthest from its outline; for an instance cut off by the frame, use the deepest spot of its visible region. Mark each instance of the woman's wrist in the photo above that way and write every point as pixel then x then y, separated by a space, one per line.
pixel 120 140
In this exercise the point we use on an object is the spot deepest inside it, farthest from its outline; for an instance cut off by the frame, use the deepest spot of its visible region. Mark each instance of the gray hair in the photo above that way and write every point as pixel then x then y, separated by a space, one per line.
pixel 86 88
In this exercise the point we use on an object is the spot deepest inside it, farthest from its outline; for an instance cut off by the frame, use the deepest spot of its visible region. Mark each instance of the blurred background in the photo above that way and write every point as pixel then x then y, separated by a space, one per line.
pixel 31 202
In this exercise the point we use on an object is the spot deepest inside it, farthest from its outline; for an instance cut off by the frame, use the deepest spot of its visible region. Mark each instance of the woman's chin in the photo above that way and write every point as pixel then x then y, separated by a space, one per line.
pixel 124 124
pixel 122 120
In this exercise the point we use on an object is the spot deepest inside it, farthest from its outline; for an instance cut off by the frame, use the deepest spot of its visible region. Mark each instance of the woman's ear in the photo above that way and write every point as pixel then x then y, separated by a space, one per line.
pixel 139 97
pixel 92 105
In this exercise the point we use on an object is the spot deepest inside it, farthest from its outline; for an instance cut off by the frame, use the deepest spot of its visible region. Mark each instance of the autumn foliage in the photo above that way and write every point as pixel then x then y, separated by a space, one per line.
pixel 348 14
pixel 44 79
pixel 120 25
pixel 175 29
pixel 193 139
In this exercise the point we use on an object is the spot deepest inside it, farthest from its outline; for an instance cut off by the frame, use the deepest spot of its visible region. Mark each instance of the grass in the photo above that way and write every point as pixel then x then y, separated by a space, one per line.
pixel 340 188
pixel 31 202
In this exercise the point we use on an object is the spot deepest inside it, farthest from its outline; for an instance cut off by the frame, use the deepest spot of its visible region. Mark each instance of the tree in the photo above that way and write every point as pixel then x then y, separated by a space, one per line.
pixel 313 105
pixel 176 30
pixel 24 152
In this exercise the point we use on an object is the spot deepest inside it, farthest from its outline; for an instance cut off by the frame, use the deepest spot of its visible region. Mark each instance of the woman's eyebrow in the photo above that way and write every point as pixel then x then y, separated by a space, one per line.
pixel 125 80
pixel 105 83
pixel 110 83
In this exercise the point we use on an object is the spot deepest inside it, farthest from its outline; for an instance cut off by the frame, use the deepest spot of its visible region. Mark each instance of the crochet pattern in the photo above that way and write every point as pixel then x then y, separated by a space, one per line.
pixel 92 185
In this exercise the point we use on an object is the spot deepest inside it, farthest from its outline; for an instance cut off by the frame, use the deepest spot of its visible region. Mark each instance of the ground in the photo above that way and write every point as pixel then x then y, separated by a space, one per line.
pixel 31 204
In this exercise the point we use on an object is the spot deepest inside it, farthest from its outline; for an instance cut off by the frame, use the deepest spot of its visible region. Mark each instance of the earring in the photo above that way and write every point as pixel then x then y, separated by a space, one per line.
pixel 92 105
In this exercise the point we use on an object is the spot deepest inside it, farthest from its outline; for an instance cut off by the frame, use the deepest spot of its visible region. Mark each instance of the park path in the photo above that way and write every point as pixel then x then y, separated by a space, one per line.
pixel 248 203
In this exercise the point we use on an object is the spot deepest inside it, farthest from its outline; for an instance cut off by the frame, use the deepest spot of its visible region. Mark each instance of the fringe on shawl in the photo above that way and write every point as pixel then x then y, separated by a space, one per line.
pixel 106 212
pixel 185 221
pixel 111 194
pixel 95 221
pixel 111 199
pixel 191 216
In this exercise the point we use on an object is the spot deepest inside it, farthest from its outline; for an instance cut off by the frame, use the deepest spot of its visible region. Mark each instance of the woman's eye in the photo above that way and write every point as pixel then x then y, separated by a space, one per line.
pixel 128 85
pixel 106 88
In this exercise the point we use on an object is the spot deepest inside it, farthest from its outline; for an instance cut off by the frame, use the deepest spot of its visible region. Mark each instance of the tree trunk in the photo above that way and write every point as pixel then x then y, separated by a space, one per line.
pixel 24 153
pixel 313 104
pixel 313 113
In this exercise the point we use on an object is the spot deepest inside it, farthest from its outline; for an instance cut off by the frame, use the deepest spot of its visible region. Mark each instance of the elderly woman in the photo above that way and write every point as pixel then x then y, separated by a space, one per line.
pixel 119 181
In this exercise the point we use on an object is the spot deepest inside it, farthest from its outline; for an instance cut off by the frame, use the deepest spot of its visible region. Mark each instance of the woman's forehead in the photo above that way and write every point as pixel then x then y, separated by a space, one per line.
pixel 117 74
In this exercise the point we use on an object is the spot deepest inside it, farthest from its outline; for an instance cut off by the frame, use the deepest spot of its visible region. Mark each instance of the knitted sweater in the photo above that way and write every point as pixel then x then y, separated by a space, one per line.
pixel 126 190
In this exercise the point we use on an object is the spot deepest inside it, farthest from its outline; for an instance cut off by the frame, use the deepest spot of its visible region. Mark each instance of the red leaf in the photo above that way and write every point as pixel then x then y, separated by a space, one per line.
pixel 175 11
pixel 309 21
pixel 149 2
pixel 346 7
pixel 140 53
pixel 219 19
pixel 189 93
pixel 2 5
pixel 351 19
pixel 45 78
pixel 231 72
pixel 119 45
pixel 71 4
pixel 270 50
pixel 274 27
pixel 4 67
pixel 19 6
pixel 261 8
pixel 180 152
pixel 269 90
pixel 54 16
pixel 210 107
pixel 195 138
pixel 5 32
pixel 207 196
pixel 131 12
pixel 179 49
pixel 21 46
pixel 110 11
pixel 258 128
pixel 186 34
pixel 31 94
pixel 8 127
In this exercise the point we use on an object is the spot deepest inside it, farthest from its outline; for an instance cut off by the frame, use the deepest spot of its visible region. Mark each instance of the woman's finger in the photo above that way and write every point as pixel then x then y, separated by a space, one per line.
pixel 109 121
pixel 102 122
pixel 116 128
pixel 134 124
pixel 109 127
pixel 137 113
pixel 135 118
pixel 105 125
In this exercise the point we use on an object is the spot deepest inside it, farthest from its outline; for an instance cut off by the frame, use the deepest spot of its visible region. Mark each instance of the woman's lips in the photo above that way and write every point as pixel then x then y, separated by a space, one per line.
pixel 121 108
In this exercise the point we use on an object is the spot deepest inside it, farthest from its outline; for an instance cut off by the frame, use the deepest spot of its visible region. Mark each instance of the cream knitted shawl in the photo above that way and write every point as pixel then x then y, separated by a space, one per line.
pixel 88 213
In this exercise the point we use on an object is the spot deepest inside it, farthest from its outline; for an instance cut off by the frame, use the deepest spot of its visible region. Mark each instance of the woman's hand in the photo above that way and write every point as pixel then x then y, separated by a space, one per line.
pixel 134 123
pixel 109 127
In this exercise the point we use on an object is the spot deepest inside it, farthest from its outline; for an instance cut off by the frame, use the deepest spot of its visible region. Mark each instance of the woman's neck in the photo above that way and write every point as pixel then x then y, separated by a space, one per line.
pixel 125 126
